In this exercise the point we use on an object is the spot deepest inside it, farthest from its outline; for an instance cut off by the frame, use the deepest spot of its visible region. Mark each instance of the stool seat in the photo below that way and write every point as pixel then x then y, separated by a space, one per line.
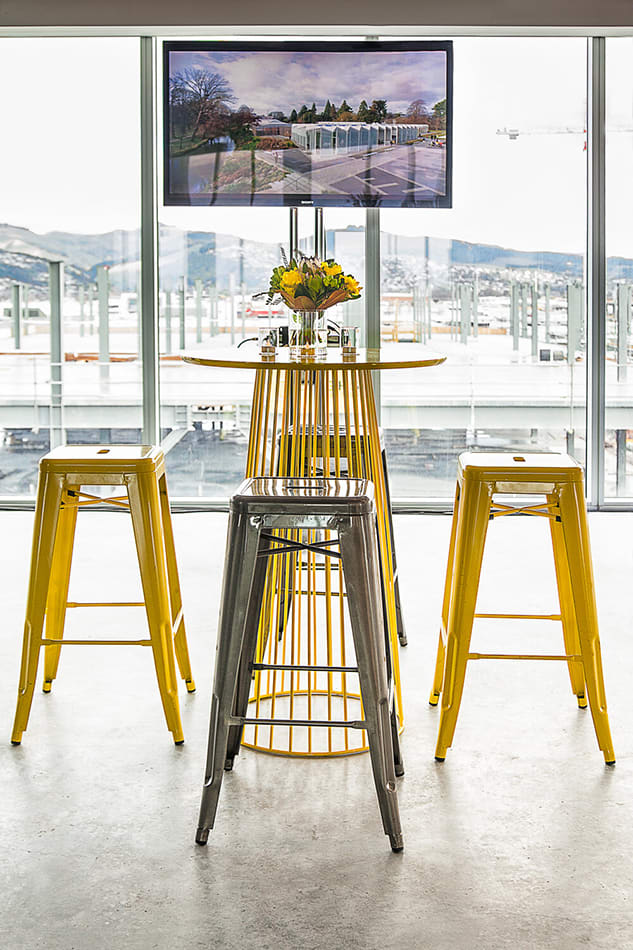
pixel 503 467
pixel 483 477
pixel 269 517
pixel 63 475
pixel 101 460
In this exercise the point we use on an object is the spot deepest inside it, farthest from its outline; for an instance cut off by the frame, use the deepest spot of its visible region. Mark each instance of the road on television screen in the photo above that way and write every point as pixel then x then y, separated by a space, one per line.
pixel 402 171
pixel 418 171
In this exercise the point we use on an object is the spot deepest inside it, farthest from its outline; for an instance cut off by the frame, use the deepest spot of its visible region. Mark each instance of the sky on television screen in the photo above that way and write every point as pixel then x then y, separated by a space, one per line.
pixel 282 81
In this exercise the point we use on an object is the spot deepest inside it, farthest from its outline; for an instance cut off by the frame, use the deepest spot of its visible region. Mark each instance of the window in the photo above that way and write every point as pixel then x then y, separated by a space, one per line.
pixel 69 191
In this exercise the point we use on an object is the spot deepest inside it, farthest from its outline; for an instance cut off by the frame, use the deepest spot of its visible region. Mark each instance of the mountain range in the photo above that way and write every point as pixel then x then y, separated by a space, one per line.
pixel 24 257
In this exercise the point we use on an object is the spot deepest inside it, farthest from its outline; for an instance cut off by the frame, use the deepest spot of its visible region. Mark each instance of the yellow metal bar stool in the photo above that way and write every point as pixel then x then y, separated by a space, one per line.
pixel 560 479
pixel 63 474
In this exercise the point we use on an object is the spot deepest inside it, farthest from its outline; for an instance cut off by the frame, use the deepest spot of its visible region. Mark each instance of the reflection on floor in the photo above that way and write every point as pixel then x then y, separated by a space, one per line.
pixel 521 839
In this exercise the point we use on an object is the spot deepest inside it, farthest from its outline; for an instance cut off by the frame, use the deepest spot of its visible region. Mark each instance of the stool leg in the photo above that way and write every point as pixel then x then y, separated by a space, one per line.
pixel 568 615
pixel 175 597
pixel 474 512
pixel 576 537
pixel 60 579
pixel 438 676
pixel 235 609
pixel 49 495
pixel 150 547
pixel 362 580
pixel 400 628
pixel 395 736
pixel 245 673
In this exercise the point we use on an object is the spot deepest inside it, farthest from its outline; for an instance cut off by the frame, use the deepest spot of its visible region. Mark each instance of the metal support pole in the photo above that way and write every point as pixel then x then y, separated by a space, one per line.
pixel 574 320
pixel 319 234
pixel 168 321
pixel 232 306
pixel 570 439
pixel 25 309
pixel 198 286
pixel 213 296
pixel 534 327
pixel 16 307
pixel 181 314
pixel 148 296
pixel 620 461
pixel 293 236
pixel 475 318
pixel 547 313
pixel 82 304
pixel 524 309
pixel 514 314
pixel 623 311
pixel 213 310
pixel 464 306
pixel 596 269
pixel 242 289
pixel 103 296
pixel 56 432
pixel 372 291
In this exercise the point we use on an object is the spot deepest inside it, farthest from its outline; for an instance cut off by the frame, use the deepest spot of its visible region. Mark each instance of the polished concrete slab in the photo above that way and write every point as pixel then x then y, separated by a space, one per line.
pixel 522 838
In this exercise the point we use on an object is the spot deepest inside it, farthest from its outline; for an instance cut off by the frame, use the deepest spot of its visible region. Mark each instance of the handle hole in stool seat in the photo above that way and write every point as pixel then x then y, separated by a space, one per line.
pixel 103 451
pixel 518 458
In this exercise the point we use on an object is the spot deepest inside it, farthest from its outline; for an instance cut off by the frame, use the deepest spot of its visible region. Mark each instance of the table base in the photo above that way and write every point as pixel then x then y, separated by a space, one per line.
pixel 314 423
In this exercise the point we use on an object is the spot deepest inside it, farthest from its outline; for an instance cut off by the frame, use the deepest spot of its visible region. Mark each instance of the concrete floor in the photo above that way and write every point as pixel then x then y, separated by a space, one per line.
pixel 522 838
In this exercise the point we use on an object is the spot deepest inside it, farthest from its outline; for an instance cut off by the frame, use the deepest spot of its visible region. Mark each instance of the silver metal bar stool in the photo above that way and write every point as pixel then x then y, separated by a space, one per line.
pixel 260 507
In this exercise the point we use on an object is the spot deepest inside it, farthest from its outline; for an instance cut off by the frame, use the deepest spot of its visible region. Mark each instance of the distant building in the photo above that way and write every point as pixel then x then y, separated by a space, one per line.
pixel 354 136
pixel 269 125
pixel 276 115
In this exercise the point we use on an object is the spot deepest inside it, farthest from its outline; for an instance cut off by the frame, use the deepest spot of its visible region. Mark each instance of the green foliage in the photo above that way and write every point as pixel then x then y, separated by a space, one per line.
pixel 378 110
pixel 363 112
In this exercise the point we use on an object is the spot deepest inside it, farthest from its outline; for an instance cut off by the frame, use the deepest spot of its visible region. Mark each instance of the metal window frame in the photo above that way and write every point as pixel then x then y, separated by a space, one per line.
pixel 596 265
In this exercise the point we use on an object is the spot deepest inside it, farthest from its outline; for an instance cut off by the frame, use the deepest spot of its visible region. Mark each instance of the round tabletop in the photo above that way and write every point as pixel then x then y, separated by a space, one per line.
pixel 392 356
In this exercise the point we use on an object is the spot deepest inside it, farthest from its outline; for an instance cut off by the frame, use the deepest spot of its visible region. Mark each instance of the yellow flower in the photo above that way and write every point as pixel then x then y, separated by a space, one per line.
pixel 290 281
pixel 331 270
pixel 352 285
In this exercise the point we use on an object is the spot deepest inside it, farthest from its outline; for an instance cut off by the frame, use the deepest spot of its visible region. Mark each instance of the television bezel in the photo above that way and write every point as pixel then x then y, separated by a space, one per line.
pixel 298 200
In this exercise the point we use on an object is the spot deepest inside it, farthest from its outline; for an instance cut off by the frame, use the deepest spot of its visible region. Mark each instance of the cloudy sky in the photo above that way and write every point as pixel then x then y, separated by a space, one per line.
pixel 282 81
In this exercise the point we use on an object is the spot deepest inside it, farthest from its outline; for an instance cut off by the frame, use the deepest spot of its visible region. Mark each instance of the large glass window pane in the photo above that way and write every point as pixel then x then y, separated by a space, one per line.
pixel 497 282
pixel 69 192
pixel 213 264
pixel 619 241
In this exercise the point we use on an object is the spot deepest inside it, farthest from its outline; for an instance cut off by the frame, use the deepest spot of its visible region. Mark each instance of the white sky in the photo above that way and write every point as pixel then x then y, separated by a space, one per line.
pixel 70 158
pixel 282 81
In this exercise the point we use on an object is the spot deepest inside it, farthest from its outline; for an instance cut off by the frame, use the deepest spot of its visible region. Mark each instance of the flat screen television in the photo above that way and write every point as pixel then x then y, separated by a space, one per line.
pixel 363 124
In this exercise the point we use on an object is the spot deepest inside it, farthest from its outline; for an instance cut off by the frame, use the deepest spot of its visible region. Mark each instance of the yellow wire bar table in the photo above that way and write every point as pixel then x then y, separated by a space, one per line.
pixel 311 419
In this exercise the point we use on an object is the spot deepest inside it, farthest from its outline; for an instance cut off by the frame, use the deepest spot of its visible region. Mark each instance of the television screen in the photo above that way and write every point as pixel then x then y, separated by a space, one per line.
pixel 315 124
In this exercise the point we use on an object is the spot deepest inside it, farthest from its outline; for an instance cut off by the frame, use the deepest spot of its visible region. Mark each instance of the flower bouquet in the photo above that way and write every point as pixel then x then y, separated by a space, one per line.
pixel 309 286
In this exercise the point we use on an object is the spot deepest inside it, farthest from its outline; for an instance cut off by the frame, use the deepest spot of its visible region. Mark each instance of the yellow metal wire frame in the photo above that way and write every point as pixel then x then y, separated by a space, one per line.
pixel 310 423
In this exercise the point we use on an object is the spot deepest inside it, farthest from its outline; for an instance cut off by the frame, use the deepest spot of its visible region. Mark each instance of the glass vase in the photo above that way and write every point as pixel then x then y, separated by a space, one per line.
pixel 307 335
